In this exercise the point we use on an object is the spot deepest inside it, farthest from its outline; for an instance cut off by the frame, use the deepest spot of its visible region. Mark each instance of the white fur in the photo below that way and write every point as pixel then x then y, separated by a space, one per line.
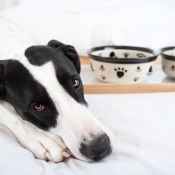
pixel 74 120
pixel 42 144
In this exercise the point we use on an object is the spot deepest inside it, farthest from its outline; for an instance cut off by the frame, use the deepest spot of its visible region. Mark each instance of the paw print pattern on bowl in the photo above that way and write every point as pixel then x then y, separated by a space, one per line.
pixel 120 72
pixel 138 69
pixel 103 77
pixel 122 64
pixel 102 68
pixel 172 68
pixel 150 71
pixel 112 55
pixel 126 54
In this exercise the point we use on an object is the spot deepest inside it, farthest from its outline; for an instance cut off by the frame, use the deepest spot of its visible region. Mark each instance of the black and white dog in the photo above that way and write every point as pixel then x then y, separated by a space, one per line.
pixel 42 99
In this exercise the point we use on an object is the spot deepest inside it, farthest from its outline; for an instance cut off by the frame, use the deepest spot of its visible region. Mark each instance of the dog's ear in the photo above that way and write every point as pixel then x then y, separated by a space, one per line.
pixel 38 55
pixel 71 53
pixel 3 64
pixel 55 44
pixel 68 50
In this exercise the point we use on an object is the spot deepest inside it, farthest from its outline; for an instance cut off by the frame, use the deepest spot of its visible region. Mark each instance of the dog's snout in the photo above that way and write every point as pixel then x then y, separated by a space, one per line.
pixel 97 149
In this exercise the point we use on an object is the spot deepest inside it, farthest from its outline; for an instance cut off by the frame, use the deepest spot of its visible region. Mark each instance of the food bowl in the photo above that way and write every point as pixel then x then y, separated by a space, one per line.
pixel 122 64
pixel 168 61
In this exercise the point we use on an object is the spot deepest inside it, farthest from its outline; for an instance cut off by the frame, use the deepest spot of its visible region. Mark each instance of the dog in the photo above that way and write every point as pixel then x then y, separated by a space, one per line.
pixel 42 100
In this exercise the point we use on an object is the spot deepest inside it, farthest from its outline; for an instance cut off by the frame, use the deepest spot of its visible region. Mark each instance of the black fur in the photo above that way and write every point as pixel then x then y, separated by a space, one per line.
pixel 39 55
pixel 18 87
pixel 22 92
pixel 66 62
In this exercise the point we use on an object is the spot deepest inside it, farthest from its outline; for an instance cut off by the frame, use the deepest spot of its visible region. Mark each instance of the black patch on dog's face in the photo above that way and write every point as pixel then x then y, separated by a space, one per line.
pixel 66 62
pixel 23 93
pixel 66 76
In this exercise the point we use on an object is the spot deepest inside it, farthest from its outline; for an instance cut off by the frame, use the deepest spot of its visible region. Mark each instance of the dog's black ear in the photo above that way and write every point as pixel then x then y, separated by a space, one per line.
pixel 39 55
pixel 3 64
pixel 68 50
pixel 71 53
pixel 55 44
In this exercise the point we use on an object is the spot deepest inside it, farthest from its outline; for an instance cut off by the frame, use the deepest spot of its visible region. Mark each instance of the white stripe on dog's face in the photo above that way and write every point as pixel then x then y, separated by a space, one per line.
pixel 66 114
pixel 75 124
pixel 40 87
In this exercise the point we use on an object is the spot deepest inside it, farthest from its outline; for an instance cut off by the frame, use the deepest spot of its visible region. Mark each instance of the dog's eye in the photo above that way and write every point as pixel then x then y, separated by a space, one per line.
pixel 76 83
pixel 39 107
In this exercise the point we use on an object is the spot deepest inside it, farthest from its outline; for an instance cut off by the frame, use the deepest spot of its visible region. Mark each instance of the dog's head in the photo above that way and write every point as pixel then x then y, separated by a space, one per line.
pixel 45 89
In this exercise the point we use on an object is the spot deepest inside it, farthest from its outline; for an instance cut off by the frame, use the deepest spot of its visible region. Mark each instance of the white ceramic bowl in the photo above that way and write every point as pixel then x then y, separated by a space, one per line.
pixel 122 64
pixel 168 61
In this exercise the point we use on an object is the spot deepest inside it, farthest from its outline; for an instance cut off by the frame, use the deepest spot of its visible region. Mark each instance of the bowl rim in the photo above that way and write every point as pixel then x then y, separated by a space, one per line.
pixel 166 56
pixel 121 60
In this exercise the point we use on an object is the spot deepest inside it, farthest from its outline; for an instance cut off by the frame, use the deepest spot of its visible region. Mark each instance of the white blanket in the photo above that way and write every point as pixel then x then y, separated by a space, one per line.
pixel 144 128
pixel 85 24
pixel 143 124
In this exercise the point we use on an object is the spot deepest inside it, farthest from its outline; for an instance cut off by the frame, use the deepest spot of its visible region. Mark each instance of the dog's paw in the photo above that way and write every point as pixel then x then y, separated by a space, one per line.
pixel 44 145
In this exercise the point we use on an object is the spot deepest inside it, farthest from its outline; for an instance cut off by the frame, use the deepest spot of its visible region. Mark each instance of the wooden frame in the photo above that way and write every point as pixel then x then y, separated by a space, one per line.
pixel 127 88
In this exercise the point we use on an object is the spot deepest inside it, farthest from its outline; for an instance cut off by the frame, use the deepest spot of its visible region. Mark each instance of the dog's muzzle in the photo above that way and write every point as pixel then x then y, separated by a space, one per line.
pixel 97 148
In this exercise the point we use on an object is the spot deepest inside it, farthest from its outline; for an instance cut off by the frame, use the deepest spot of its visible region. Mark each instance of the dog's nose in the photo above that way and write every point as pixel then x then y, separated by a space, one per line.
pixel 97 149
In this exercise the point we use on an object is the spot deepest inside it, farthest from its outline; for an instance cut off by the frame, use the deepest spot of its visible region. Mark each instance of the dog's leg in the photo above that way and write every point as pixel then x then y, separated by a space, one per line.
pixel 42 144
